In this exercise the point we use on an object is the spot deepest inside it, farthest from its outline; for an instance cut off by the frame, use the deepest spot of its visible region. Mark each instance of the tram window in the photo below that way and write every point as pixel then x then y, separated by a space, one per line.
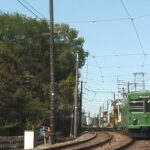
pixel 147 105
pixel 136 106
pixel 136 110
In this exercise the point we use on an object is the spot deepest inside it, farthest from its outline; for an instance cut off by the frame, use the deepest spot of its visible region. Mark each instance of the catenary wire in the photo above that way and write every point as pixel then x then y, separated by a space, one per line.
pixel 135 29
pixel 105 20
pixel 142 16
pixel 100 68
pixel 120 55
pixel 96 21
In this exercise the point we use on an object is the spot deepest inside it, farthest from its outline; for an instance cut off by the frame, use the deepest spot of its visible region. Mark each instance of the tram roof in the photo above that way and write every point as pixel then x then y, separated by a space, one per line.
pixel 139 94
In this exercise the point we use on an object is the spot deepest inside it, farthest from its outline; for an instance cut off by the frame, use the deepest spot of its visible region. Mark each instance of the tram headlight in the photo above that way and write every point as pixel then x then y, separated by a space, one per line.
pixel 134 121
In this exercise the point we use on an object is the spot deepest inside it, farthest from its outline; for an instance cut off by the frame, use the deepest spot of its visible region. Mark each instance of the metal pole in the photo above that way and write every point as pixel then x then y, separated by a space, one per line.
pixel 123 92
pixel 80 109
pixel 114 110
pixel 128 87
pixel 52 80
pixel 143 81
pixel 135 86
pixel 100 111
pixel 107 112
pixel 76 98
pixel 135 81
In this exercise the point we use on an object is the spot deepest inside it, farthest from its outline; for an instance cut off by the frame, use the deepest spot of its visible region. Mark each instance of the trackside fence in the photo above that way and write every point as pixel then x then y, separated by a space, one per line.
pixel 16 142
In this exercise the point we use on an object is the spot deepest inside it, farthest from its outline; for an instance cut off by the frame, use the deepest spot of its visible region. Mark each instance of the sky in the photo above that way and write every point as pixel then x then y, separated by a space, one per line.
pixel 117 37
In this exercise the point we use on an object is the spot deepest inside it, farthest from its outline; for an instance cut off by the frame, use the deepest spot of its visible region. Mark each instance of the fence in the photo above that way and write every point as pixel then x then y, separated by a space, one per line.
pixel 16 142
pixel 11 142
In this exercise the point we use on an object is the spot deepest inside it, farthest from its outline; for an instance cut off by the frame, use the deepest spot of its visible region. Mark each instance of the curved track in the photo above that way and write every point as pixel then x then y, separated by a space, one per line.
pixel 109 140
pixel 86 141
pixel 119 141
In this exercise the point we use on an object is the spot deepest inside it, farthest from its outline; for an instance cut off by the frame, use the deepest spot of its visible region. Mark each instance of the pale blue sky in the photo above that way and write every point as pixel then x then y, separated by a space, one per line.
pixel 107 30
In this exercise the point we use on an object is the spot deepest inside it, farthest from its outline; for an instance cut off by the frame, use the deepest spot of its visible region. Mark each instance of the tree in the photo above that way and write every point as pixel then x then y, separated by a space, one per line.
pixel 24 46
pixel 15 96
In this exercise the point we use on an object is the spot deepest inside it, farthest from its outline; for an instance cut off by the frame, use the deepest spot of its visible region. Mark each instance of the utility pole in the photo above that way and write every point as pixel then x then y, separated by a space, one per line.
pixel 52 80
pixel 107 105
pixel 100 113
pixel 80 109
pixel 123 92
pixel 140 77
pixel 114 110
pixel 107 111
pixel 76 97
pixel 120 83
pixel 128 86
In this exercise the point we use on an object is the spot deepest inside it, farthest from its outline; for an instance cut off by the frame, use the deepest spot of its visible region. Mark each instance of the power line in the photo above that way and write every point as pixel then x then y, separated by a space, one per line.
pixel 138 37
pixel 89 90
pixel 34 8
pixel 126 9
pixel 101 92
pixel 98 20
pixel 107 20
pixel 120 55
pixel 118 67
pixel 100 68
pixel 143 64
pixel 95 95
pixel 29 9
pixel 135 29
pixel 142 16
pixel 134 26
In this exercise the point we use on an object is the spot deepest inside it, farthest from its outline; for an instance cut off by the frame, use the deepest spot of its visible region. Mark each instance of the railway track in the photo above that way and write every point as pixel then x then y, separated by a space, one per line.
pixel 104 140
pixel 98 138
pixel 120 141
pixel 140 145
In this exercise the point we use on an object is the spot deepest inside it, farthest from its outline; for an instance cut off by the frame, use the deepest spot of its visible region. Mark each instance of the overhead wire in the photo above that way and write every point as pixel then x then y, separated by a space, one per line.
pixel 135 29
pixel 34 9
pixel 106 20
pixel 138 37
pixel 118 67
pixel 94 95
pixel 90 90
pixel 100 68
pixel 101 92
pixel 142 16
pixel 120 55
pixel 29 10
pixel 125 9
pixel 98 20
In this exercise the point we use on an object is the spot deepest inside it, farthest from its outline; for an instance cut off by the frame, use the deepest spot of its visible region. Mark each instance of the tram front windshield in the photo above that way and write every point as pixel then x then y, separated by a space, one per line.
pixel 136 106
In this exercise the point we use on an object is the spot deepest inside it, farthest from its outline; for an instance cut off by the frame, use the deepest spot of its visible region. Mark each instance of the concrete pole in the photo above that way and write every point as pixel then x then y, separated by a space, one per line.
pixel 76 97
pixel 52 80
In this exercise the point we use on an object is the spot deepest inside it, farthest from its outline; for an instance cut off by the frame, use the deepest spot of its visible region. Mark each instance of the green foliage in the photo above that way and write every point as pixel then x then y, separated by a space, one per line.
pixel 25 70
